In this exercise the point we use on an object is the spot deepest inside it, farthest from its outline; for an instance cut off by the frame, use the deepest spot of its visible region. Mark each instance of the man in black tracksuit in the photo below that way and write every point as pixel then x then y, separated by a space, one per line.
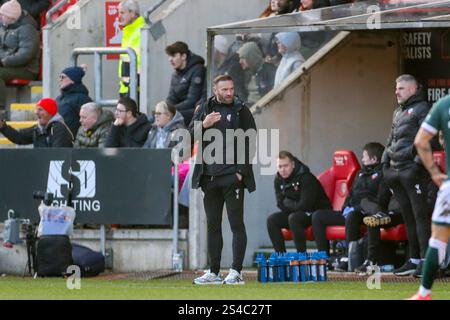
pixel 224 177
pixel 404 173
pixel 298 194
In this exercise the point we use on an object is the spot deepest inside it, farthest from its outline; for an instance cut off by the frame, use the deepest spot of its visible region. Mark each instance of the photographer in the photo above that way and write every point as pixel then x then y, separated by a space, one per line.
pixel 50 132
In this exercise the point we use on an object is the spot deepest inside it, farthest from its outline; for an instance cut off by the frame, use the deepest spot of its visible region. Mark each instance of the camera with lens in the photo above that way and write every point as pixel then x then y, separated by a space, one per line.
pixel 46 197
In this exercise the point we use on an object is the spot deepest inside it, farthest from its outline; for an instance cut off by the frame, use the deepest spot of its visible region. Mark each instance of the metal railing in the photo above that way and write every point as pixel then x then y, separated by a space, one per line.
pixel 152 9
pixel 52 10
pixel 98 52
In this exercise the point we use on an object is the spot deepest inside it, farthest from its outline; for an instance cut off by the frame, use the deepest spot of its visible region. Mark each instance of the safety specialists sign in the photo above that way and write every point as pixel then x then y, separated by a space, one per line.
pixel 108 186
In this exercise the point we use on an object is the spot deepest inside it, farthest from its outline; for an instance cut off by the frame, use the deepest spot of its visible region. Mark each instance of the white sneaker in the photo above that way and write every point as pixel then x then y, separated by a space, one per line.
pixel 233 277
pixel 208 278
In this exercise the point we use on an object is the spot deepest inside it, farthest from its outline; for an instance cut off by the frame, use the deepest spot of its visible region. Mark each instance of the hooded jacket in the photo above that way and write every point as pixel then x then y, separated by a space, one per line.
pixel 96 136
pixel 69 103
pixel 132 136
pixel 292 59
pixel 408 117
pixel 244 120
pixel 20 44
pixel 301 191
pixel 187 86
pixel 55 134
pixel 165 133
pixel 368 185
pixel 263 73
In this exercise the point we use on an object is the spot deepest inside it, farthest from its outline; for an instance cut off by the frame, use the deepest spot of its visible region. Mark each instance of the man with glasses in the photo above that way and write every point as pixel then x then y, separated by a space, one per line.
pixel 130 129
pixel 73 95
pixel 167 121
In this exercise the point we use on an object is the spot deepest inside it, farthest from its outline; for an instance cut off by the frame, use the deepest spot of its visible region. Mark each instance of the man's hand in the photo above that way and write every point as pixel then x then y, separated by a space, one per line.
pixel 118 122
pixel 439 178
pixel 211 119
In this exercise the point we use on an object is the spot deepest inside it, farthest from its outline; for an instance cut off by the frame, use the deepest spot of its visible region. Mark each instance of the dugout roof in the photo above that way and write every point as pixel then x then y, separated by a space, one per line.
pixel 364 15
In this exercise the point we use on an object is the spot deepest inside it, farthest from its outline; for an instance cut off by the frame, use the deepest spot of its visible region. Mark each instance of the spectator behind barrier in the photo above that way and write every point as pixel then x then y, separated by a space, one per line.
pixel 50 132
pixel 261 73
pixel 73 95
pixel 313 4
pixel 19 47
pixel 167 121
pixel 287 6
pixel 34 8
pixel 368 186
pixel 271 10
pixel 288 46
pixel 132 22
pixel 298 194
pixel 95 126
pixel 225 63
pixel 187 85
pixel 130 129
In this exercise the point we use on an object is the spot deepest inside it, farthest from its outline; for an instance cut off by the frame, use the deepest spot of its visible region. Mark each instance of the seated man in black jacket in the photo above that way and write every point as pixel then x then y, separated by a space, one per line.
pixel 298 194
pixel 130 129
pixel 367 188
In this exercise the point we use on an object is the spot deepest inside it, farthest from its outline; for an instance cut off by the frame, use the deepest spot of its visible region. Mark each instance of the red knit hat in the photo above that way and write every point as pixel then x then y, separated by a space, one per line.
pixel 48 105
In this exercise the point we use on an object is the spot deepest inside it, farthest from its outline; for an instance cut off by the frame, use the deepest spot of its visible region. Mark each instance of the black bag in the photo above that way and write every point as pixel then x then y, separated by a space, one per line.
pixel 91 262
pixel 54 255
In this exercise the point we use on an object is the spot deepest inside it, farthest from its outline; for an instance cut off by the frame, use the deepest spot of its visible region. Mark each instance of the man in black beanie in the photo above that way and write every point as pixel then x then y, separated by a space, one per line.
pixel 73 95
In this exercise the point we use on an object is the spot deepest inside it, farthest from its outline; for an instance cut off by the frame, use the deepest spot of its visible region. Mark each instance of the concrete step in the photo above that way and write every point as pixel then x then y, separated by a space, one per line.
pixel 21 124
pixel 22 112
pixel 36 93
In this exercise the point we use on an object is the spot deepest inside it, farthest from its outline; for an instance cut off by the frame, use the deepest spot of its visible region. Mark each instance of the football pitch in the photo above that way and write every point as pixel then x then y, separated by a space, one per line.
pixel 17 288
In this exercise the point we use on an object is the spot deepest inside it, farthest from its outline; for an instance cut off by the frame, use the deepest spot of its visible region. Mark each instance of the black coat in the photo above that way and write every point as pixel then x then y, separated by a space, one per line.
pixel 55 135
pixel 408 117
pixel 69 103
pixel 243 120
pixel 301 191
pixel 132 136
pixel 187 86
pixel 368 184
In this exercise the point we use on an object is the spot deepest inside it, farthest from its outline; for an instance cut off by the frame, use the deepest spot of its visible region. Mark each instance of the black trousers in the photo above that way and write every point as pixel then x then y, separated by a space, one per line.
pixel 323 218
pixel 374 234
pixel 410 187
pixel 218 191
pixel 297 222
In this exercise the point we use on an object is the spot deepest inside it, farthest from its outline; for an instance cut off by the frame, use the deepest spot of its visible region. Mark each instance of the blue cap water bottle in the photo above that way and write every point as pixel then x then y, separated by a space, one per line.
pixel 262 267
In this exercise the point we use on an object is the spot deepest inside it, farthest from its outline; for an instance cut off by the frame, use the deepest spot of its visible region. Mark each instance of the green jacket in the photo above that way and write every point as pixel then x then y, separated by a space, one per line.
pixel 96 136
pixel 131 39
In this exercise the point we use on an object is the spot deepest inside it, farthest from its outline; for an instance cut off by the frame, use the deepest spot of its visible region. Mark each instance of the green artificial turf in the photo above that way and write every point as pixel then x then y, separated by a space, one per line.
pixel 169 289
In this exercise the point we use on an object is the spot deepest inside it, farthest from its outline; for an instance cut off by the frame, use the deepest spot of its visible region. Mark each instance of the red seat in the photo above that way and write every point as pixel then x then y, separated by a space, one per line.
pixel 398 233
pixel 336 182
pixel 439 159
pixel 18 82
